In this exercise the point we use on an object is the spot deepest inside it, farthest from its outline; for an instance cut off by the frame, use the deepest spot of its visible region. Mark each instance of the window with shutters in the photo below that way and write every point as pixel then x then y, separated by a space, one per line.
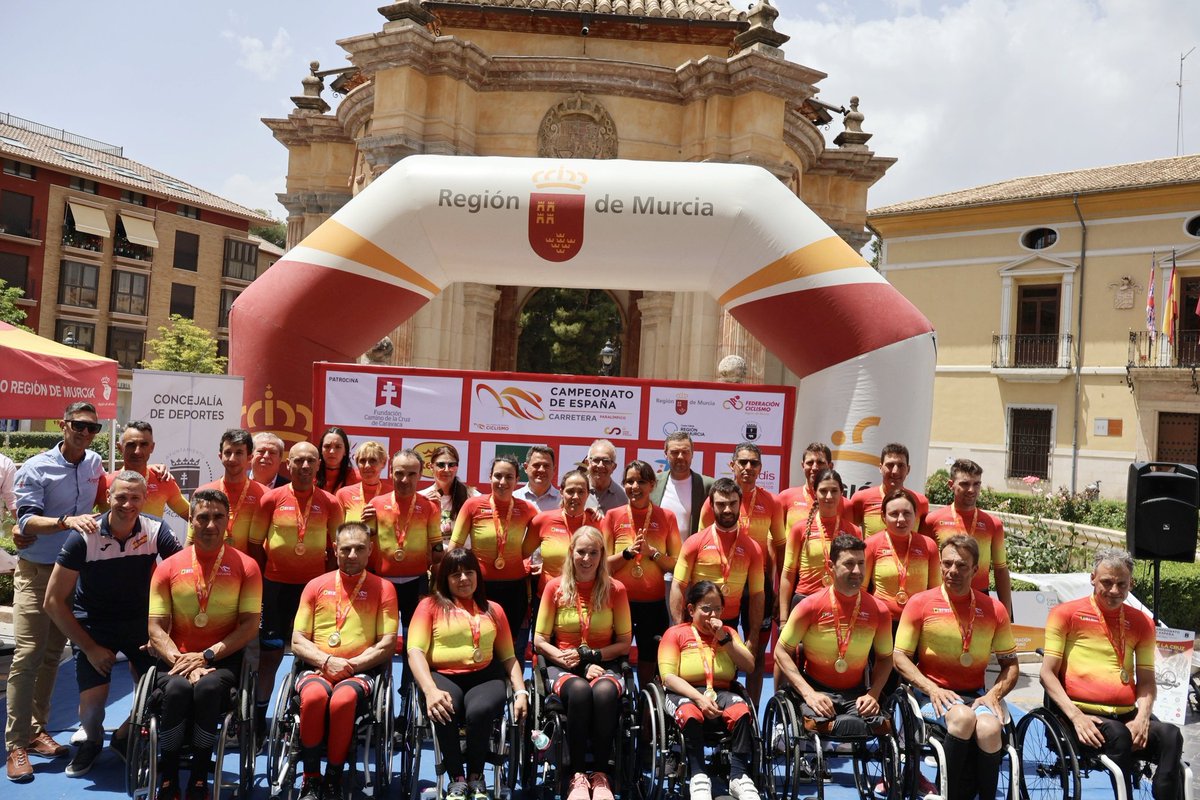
pixel 1030 440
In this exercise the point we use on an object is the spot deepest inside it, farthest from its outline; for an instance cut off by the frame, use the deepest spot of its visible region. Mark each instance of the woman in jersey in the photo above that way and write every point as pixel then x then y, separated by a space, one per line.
pixel 642 540
pixel 582 629
pixel 900 561
pixel 698 659
pixel 806 566
pixel 460 651
pixel 371 460
pixel 550 532
pixel 495 524
pixel 335 470
pixel 447 489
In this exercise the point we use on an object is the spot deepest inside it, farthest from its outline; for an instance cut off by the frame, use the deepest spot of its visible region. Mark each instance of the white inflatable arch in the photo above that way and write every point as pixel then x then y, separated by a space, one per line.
pixel 864 353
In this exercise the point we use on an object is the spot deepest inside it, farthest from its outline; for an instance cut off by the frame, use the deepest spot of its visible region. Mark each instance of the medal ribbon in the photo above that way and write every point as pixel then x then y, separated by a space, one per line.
pixel 402 532
pixel 203 585
pixel 1118 644
pixel 473 621
pixel 843 643
pixel 969 630
pixel 637 559
pixel 585 620
pixel 340 615
pixel 235 508
pixel 501 530
pixel 960 522
pixel 748 509
pixel 901 569
pixel 827 538
pixel 707 658
pixel 726 563
pixel 302 517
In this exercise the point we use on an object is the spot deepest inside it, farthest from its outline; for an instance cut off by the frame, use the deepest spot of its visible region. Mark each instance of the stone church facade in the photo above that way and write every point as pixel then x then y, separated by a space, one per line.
pixel 664 80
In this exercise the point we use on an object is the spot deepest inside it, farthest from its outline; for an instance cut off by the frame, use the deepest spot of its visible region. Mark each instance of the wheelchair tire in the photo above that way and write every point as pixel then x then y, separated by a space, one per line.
pixel 909 731
pixel 652 744
pixel 877 769
pixel 411 743
pixel 141 760
pixel 383 734
pixel 1049 766
pixel 283 742
pixel 782 748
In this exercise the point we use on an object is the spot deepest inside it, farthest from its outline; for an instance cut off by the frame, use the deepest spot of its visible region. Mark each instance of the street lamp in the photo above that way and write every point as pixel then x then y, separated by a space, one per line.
pixel 608 355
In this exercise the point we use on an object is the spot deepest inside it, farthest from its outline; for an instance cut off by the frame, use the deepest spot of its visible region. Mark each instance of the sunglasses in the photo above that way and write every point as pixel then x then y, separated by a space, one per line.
pixel 600 462
pixel 446 464
pixel 749 462
pixel 710 609
pixel 80 425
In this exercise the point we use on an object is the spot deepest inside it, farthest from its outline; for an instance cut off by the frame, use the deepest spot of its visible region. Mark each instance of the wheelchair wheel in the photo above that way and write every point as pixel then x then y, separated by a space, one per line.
pixel 383 733
pixel 782 750
pixel 411 742
pixel 283 744
pixel 909 731
pixel 1049 767
pixel 245 730
pixel 514 753
pixel 876 768
pixel 652 744
pixel 141 760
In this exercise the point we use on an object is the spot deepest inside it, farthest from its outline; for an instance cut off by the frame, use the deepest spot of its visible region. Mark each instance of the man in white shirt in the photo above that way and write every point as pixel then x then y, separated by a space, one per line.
pixel 540 491
pixel 680 490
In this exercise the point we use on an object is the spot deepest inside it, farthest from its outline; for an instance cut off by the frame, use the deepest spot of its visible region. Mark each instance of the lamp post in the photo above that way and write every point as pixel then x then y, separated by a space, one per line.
pixel 608 354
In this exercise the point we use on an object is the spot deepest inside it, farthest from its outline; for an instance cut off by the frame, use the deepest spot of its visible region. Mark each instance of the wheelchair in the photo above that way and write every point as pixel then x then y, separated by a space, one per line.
pixel 372 747
pixel 792 740
pixel 661 761
pixel 1053 764
pixel 546 713
pixel 921 741
pixel 237 724
pixel 507 753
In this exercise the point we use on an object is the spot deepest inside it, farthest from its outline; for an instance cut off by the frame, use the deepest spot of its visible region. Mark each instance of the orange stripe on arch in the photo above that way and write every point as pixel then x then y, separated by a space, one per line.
pixel 824 255
pixel 336 239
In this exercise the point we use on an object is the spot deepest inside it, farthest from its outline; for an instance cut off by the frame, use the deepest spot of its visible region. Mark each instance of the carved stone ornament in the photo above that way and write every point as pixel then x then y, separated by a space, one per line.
pixel 578 127
pixel 1123 292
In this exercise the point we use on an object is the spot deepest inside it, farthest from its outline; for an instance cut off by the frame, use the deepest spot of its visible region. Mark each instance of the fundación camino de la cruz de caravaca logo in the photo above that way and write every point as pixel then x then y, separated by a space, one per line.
pixel 556 217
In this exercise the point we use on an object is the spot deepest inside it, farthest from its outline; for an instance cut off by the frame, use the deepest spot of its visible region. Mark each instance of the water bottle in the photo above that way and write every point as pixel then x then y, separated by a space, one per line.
pixel 535 559
pixel 541 742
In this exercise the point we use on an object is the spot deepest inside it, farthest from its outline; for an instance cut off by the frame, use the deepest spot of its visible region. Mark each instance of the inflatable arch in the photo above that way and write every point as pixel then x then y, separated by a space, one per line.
pixel 864 353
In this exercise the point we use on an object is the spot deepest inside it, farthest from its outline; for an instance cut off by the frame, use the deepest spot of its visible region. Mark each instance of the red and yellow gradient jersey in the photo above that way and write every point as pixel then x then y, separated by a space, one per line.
pixel 244 502
pixel 160 495
pixel 797 500
pixel 1091 672
pixel 552 532
pixel 236 589
pixel 331 481
pixel 866 505
pixel 931 633
pixel 680 654
pixel 446 636
pixel 813 624
pixel 417 521
pixel 883 567
pixel 761 515
pixel 558 620
pixel 662 534
pixel 354 498
pixel 989 533
pixel 709 556
pixel 370 614
pixel 804 557
pixel 277 528
pixel 476 522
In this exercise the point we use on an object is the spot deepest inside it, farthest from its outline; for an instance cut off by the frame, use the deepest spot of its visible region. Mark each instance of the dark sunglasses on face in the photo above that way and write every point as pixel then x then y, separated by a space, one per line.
pixel 81 425
pixel 446 464
pixel 749 462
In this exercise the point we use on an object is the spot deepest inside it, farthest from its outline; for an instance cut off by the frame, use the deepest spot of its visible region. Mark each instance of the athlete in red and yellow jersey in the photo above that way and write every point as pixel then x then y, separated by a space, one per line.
pixel 204 610
pixel 137 444
pixel 550 532
pixel 1099 671
pixel 900 561
pixel 796 501
pixel 866 506
pixel 345 629
pixel 807 567
pixel 245 495
pixel 370 459
pixel 460 650
pixel 943 644
pixel 761 514
pixel 838 629
pixel 965 516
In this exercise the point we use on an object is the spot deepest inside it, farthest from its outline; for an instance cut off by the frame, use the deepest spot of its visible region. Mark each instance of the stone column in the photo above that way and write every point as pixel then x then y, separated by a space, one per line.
pixel 736 340
pixel 655 308
pixel 479 311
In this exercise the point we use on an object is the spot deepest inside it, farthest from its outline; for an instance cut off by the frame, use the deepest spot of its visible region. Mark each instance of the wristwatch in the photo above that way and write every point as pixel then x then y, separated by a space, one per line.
pixel 725 641
pixel 62 521
pixel 628 554
pixel 209 656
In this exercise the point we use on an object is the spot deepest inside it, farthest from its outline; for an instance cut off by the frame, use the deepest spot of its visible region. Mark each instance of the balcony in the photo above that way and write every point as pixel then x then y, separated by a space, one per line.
pixel 1031 358
pixel 1154 351
pixel 123 248
pixel 83 241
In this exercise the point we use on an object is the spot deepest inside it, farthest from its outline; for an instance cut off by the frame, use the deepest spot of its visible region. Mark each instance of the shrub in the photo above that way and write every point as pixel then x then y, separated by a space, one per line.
pixel 937 488
pixel 6 542
pixel 1180 586
pixel 21 445
pixel 1034 546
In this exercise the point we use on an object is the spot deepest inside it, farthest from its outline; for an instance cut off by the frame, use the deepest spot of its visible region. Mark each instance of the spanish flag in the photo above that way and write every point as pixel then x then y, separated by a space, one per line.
pixel 1171 310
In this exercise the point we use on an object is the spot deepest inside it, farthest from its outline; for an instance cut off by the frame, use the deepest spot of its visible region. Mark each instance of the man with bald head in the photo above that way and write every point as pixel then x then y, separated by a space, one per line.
pixel 293 542
pixel 605 494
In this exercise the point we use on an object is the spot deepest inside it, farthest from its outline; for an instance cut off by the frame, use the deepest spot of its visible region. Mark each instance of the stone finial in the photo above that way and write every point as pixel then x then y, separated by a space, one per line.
pixel 761 35
pixel 732 369
pixel 310 103
pixel 381 353
pixel 852 137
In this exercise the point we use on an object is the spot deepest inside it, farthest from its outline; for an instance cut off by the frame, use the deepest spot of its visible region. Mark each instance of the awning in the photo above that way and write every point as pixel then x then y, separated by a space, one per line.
pixel 41 377
pixel 89 219
pixel 139 230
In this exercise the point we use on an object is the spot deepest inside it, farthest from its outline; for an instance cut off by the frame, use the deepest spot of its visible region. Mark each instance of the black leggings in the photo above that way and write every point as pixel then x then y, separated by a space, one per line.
pixel 740 750
pixel 478 699
pixel 650 622
pixel 592 711
pixel 203 703
pixel 513 597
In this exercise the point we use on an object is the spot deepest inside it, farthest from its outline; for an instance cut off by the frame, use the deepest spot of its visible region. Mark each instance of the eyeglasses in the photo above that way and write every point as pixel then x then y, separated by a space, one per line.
pixel 81 425
pixel 709 609
pixel 446 464
pixel 601 462
pixel 749 462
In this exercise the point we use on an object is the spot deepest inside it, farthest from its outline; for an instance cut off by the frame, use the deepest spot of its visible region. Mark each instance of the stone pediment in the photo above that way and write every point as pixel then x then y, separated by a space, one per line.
pixel 1037 265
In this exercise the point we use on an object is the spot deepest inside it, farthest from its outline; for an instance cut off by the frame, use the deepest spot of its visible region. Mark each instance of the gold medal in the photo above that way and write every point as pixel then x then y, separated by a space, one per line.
pixel 840 665
pixel 300 548
pixel 477 655
pixel 724 589
pixel 399 554
pixel 637 571
pixel 499 562
pixel 711 694
pixel 1124 676
pixel 827 579
pixel 966 659
pixel 901 597
pixel 200 619
pixel 335 639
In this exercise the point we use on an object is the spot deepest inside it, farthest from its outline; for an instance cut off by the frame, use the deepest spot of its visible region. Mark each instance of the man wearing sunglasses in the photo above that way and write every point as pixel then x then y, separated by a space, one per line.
pixel 56 492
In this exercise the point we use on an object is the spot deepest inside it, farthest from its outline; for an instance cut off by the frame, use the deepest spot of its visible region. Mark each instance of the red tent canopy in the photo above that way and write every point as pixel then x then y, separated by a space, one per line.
pixel 40 377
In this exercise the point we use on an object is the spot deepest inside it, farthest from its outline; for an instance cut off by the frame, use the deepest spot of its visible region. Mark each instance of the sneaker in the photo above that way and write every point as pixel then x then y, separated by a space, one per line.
pixel 700 787
pixel 197 790
pixel 85 757
pixel 581 788
pixel 78 737
pixel 168 790
pixel 600 788
pixel 332 790
pixel 477 790
pixel 19 768
pixel 310 789
pixel 455 791
pixel 743 788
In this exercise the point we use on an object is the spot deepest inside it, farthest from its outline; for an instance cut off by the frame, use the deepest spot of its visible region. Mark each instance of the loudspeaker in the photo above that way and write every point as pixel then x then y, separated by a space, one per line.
pixel 1160 511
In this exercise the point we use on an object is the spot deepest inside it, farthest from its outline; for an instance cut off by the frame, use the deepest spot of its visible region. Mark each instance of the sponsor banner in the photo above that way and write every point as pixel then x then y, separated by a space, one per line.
pixel 1032 609
pixel 1172 672
pixel 484 414
pixel 426 448
pixel 188 413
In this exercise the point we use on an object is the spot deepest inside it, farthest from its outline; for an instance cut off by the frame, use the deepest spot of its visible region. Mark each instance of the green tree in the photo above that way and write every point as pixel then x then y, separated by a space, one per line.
pixel 275 233
pixel 563 330
pixel 10 312
pixel 183 346
pixel 876 246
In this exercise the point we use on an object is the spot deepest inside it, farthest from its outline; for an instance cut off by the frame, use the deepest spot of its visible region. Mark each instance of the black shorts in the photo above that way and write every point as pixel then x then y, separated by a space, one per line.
pixel 280 603
pixel 128 638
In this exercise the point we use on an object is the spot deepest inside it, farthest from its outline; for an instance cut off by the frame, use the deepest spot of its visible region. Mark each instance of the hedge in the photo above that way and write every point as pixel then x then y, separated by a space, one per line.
pixel 1180 586
pixel 22 445
pixel 1060 505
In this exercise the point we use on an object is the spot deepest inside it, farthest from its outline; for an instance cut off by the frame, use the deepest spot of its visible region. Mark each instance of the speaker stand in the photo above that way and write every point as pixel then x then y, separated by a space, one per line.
pixel 1157 566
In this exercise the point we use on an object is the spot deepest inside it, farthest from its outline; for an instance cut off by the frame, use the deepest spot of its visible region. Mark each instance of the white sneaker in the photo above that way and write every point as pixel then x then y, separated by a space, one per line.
pixel 79 737
pixel 700 787
pixel 743 788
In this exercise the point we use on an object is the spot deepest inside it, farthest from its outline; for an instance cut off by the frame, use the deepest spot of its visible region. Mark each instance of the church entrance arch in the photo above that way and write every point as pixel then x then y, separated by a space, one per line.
pixel 863 353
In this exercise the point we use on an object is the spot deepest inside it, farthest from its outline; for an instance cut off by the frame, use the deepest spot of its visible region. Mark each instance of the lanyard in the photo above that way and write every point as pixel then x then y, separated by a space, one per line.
pixel 706 658
pixel 901 568
pixel 585 620
pixel 473 620
pixel 827 538
pixel 968 631
pixel 726 563
pixel 637 559
pixel 960 523
pixel 402 531
pixel 501 530
pixel 236 508
pixel 1118 644
pixel 203 585
pixel 843 642
pixel 339 614
pixel 748 511
pixel 302 516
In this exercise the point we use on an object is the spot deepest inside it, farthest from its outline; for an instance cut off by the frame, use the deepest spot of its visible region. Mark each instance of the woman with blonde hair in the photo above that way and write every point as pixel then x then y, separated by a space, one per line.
pixel 371 460
pixel 582 628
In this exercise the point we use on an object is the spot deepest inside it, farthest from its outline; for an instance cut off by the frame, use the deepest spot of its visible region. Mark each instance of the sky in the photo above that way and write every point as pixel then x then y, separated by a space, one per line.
pixel 963 92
